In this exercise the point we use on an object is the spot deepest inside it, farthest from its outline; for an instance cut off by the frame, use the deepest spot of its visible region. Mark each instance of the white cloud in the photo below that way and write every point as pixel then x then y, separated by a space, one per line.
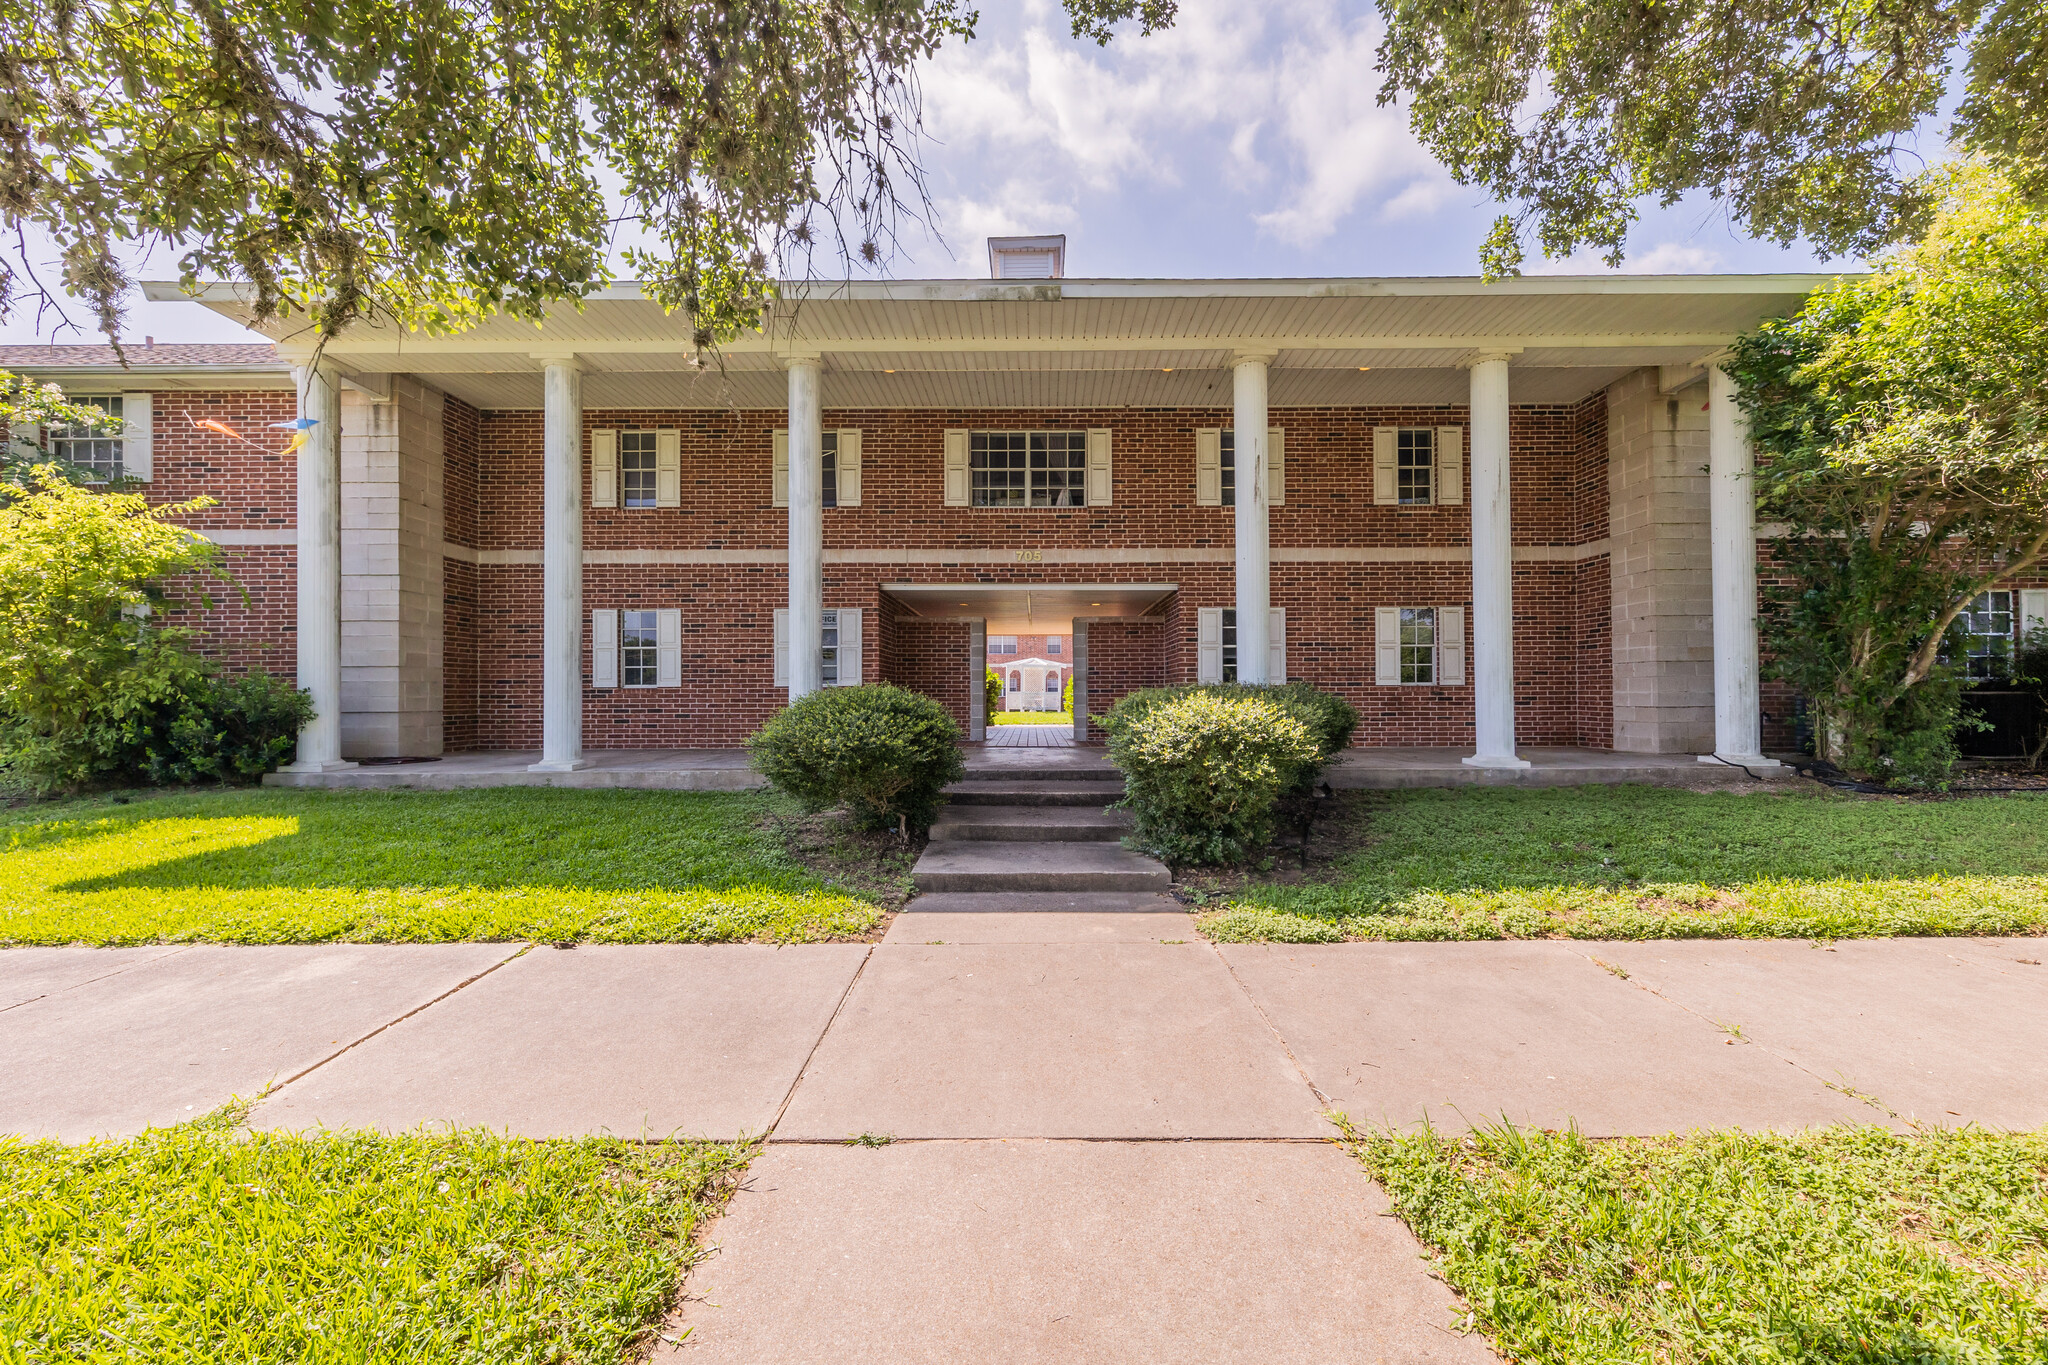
pixel 1665 258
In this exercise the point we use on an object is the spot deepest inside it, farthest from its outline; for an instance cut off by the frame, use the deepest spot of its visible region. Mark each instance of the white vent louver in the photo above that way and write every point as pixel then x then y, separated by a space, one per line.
pixel 1027 258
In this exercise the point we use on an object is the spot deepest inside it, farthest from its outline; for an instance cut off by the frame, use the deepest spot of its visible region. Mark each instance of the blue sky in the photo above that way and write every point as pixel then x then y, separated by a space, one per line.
pixel 1245 141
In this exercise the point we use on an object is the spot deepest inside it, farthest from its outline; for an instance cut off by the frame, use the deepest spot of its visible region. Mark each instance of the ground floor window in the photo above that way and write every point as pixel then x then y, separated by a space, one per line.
pixel 1418 644
pixel 1230 644
pixel 1052 682
pixel 639 649
pixel 831 677
pixel 1987 630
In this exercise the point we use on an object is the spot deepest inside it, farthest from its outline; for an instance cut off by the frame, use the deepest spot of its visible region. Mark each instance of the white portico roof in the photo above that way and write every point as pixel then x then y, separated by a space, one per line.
pixel 1089 343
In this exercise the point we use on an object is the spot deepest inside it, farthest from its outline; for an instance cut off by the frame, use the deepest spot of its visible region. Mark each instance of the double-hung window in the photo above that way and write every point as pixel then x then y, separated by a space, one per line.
pixel 98 451
pixel 1986 629
pixel 1052 644
pixel 1415 466
pixel 831 470
pixel 637 470
pixel 1002 644
pixel 1229 467
pixel 1028 468
pixel 1230 644
pixel 1418 645
pixel 639 647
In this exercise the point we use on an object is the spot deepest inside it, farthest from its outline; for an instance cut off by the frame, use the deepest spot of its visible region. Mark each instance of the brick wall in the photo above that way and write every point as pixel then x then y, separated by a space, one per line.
pixel 1124 656
pixel 931 657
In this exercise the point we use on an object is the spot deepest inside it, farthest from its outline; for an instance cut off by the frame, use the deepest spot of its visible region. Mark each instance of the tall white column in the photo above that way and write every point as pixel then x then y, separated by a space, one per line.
pixel 1731 533
pixel 1493 571
pixel 1254 545
pixel 319 568
pixel 806 528
pixel 561 746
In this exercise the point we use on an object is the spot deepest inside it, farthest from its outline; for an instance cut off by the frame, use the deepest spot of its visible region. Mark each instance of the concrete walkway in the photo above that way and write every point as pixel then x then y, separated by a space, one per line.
pixel 1108 1134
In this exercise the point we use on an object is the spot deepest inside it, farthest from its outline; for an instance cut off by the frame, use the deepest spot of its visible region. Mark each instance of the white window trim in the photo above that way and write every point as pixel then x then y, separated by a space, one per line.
pixel 1447 663
pixel 849 621
pixel 1098 482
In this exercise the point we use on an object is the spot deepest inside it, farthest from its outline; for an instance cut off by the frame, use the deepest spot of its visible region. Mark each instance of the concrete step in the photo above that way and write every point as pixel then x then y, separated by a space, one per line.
pixel 974 792
pixel 1087 769
pixel 1031 824
pixel 958 865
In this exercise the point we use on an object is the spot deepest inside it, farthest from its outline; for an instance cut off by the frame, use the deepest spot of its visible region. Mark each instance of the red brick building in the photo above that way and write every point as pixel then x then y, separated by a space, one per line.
pixel 1490 515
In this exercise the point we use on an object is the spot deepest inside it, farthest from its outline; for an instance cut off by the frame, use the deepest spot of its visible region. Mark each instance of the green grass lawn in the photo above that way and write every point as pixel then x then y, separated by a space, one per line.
pixel 1849 1244
pixel 271 866
pixel 1032 718
pixel 1649 862
pixel 206 1243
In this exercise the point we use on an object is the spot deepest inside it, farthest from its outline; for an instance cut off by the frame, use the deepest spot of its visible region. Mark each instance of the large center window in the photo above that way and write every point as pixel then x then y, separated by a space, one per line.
pixel 1029 468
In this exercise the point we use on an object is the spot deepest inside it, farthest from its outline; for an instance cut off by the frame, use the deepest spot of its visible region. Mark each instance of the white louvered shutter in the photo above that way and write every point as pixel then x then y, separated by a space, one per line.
pixel 604 469
pixel 1099 482
pixel 1276 467
pixel 138 441
pixel 2033 609
pixel 1386 447
pixel 959 490
pixel 1450 646
pixel 1276 644
pixel 668 468
pixel 1209 644
pixel 778 470
pixel 849 645
pixel 668 647
pixel 847 466
pixel 1209 467
pixel 1450 466
pixel 782 646
pixel 1386 646
pixel 604 647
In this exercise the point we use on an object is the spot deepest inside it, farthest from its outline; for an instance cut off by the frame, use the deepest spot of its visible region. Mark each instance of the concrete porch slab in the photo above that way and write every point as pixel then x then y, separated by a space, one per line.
pixel 1466 1033
pixel 661 769
pixel 1937 1029
pixel 630 1039
pixel 170 1039
pixel 1065 1253
pixel 1023 1040
pixel 29 974
pixel 1392 768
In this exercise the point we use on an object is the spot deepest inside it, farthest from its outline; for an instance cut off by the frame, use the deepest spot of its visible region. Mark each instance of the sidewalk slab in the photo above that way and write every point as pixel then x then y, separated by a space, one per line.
pixel 1032 1040
pixel 1937 1029
pixel 1065 1253
pixel 173 1038
pixel 661 1040
pixel 1042 917
pixel 1469 1033
pixel 29 974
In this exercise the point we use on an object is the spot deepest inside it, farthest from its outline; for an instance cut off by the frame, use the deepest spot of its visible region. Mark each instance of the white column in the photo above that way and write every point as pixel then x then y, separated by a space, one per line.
pixel 562 569
pixel 319 569
pixel 1254 546
pixel 1493 570
pixel 806 528
pixel 1731 533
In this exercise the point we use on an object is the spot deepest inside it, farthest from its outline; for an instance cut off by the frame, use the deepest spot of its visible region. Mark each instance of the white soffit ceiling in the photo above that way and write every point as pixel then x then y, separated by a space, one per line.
pixel 1029 608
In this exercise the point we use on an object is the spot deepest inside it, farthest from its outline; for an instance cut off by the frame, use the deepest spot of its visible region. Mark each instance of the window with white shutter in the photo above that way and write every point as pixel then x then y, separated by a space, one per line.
pixel 668 647
pixel 840 638
pixel 959 478
pixel 668 468
pixel 97 450
pixel 846 456
pixel 1276 645
pixel 604 648
pixel 638 472
pixel 1386 646
pixel 1385 458
pixel 1450 629
pixel 1209 467
pixel 639 649
pixel 138 436
pixel 1209 644
pixel 2033 610
pixel 1419 646
pixel 604 468
pixel 1276 467
pixel 849 622
pixel 781 647
pixel 1450 466
pixel 1100 484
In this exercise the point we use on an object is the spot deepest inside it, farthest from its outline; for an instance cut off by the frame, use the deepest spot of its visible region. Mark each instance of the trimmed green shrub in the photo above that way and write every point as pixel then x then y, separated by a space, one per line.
pixel 1329 719
pixel 1204 769
pixel 226 729
pixel 883 753
pixel 991 692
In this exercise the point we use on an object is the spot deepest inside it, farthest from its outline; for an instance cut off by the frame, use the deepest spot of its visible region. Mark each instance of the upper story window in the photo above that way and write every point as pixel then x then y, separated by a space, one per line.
pixel 1229 454
pixel 831 474
pixel 639 645
pixel 1002 644
pixel 98 451
pixel 636 471
pixel 1028 468
pixel 1987 630
pixel 1415 466
pixel 1052 644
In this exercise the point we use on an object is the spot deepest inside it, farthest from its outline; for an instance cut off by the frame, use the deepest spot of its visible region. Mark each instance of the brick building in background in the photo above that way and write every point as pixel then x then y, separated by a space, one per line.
pixel 1483 513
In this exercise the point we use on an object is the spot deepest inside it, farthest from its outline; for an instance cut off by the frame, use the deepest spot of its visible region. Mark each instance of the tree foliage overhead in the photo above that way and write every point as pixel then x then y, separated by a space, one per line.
pixel 1903 424
pixel 1797 114
pixel 426 161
